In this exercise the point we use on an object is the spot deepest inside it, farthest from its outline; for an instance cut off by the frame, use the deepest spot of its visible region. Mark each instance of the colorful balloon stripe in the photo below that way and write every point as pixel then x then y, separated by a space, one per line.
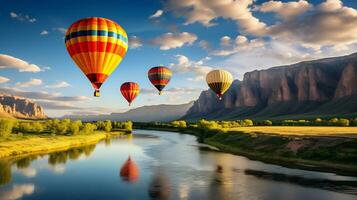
pixel 96 33
pixel 94 46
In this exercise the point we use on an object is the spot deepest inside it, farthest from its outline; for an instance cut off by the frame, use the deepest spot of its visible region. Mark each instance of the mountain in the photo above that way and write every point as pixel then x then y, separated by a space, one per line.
pixel 19 107
pixel 152 113
pixel 324 87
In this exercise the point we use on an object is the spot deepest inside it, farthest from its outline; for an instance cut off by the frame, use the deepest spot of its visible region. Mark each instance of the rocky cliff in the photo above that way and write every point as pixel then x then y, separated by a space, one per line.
pixel 305 88
pixel 20 107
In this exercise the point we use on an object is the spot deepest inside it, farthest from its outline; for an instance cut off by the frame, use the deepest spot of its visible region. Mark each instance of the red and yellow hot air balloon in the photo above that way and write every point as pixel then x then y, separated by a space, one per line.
pixel 159 76
pixel 129 171
pixel 130 91
pixel 97 45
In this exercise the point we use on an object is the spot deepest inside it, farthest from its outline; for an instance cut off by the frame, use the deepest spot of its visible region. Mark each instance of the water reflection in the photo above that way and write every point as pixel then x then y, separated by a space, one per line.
pixel 129 171
pixel 349 187
pixel 73 154
pixel 159 187
pixel 17 191
pixel 5 172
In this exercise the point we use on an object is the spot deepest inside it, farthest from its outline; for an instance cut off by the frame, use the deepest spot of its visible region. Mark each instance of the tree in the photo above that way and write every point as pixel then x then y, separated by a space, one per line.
pixel 75 127
pixel 107 125
pixel 6 126
pixel 248 122
pixel 343 122
pixel 128 125
pixel 267 123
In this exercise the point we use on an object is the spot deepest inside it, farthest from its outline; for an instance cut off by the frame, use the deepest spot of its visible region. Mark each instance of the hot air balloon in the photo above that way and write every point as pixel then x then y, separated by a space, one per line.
pixel 129 171
pixel 97 45
pixel 219 81
pixel 159 76
pixel 130 91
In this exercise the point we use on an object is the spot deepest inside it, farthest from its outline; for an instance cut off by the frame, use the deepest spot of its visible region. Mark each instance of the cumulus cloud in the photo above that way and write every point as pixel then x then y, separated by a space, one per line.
pixel 29 83
pixel 196 68
pixel 286 10
pixel 44 32
pixel 22 17
pixel 241 44
pixel 3 79
pixel 205 12
pixel 135 42
pixel 174 40
pixel 7 61
pixel 205 45
pixel 61 84
pixel 157 14
pixel 225 41
pixel 18 191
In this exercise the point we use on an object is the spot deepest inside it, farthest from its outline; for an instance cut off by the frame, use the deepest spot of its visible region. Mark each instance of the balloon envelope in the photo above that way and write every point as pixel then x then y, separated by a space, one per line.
pixel 219 81
pixel 97 45
pixel 159 76
pixel 130 91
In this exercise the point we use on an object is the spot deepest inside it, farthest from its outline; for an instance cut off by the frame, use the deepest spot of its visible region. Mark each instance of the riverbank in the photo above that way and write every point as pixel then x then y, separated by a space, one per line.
pixel 328 152
pixel 19 146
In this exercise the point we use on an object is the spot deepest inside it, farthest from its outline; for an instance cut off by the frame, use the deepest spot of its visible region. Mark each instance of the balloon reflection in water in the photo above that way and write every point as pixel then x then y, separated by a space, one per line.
pixel 159 187
pixel 129 171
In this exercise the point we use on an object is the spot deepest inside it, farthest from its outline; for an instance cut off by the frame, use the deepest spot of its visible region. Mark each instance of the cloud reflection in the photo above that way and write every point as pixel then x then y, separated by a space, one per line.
pixel 18 191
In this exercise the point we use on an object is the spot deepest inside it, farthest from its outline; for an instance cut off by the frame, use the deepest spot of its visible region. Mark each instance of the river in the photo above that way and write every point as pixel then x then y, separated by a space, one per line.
pixel 168 166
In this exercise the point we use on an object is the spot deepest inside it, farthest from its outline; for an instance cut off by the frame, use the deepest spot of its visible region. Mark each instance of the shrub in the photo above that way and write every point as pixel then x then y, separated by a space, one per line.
pixel 247 122
pixel 75 127
pixel 88 128
pixel 267 123
pixel 6 126
pixel 179 124
pixel 343 122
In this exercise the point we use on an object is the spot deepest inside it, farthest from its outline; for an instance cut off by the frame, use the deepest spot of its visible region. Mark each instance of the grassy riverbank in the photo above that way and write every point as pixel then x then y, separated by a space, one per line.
pixel 332 149
pixel 15 145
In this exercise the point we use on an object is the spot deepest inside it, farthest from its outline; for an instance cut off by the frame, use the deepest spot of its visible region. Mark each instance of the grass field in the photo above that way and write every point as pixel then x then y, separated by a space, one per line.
pixel 300 130
pixel 14 145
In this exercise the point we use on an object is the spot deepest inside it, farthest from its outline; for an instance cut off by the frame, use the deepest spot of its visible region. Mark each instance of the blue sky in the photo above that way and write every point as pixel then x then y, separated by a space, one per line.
pixel 190 37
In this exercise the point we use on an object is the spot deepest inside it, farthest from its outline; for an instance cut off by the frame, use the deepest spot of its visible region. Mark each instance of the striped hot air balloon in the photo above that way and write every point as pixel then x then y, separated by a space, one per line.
pixel 97 45
pixel 219 81
pixel 159 76
pixel 130 91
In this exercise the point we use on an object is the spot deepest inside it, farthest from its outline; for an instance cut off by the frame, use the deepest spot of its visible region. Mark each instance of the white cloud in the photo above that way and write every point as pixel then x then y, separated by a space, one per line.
pixel 157 14
pixel 225 41
pixel 60 30
pixel 286 10
pixel 31 82
pixel 18 191
pixel 196 68
pixel 22 17
pixel 44 32
pixel 28 172
pixel 329 23
pixel 135 42
pixel 7 61
pixel 205 12
pixel 61 84
pixel 241 44
pixel 174 40
pixel 205 45
pixel 3 79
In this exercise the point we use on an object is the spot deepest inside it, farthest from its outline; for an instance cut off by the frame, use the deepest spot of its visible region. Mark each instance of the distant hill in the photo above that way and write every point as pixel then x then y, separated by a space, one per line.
pixel 19 107
pixel 325 87
pixel 152 113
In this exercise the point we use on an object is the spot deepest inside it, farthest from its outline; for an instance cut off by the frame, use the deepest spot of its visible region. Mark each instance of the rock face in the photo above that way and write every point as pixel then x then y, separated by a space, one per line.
pixel 305 86
pixel 20 107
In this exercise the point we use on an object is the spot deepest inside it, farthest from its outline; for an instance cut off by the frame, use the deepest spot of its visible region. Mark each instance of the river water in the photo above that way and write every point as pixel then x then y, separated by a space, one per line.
pixel 168 166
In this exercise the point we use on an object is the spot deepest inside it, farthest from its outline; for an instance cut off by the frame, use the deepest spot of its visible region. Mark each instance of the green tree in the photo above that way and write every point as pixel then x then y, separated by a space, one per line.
pixel 248 122
pixel 6 126
pixel 343 122
pixel 75 127
pixel 107 125
pixel 267 123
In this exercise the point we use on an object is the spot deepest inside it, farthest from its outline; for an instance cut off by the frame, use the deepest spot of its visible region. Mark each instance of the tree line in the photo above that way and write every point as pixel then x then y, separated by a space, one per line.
pixel 60 127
